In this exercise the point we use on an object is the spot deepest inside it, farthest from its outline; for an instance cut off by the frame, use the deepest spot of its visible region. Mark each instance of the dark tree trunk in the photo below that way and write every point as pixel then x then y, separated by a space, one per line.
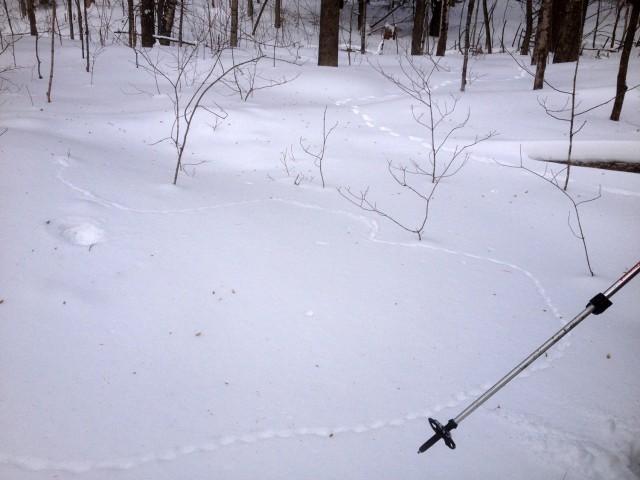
pixel 524 49
pixel 542 48
pixel 181 23
pixel 160 19
pixel 418 28
pixel 570 35
pixel 80 27
pixel 31 14
pixel 597 27
pixel 277 14
pixel 23 8
pixel 277 21
pixel 615 23
pixel 467 27
pixel 444 28
pixel 436 13
pixel 329 33
pixel 233 39
pixel 86 33
pixel 621 87
pixel 250 8
pixel 147 25
pixel 487 27
pixel 168 19
pixel 557 21
pixel 70 13
pixel 362 21
pixel 132 24
pixel 53 43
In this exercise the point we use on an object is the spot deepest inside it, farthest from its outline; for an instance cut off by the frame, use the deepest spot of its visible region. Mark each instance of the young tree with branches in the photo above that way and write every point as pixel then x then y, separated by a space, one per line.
pixel 186 104
pixel 621 85
pixel 422 179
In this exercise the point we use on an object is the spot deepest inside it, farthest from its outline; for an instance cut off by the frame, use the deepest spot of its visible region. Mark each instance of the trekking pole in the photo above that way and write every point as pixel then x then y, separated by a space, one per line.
pixel 596 306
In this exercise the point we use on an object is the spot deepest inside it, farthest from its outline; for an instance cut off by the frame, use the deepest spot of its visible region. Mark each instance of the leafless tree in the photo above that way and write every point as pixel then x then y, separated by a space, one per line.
pixel 568 112
pixel 621 85
pixel 329 33
pixel 524 50
pixel 465 62
pixel 318 154
pixel 444 28
pixel 181 69
pixel 445 158
pixel 53 43
pixel 577 229
pixel 33 27
pixel 543 37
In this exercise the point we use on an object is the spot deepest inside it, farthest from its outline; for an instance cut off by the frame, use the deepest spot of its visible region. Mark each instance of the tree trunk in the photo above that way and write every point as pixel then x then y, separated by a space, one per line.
pixel 418 28
pixel 362 21
pixel 250 8
pixel 444 27
pixel 277 21
pixel 597 27
pixel 233 38
pixel 70 13
pixel 467 27
pixel 436 14
pixel 132 24
pixel 487 27
pixel 160 9
pixel 621 87
pixel 329 33
pixel 168 18
pixel 147 25
pixel 181 23
pixel 557 21
pixel 23 8
pixel 524 49
pixel 570 35
pixel 53 43
pixel 31 14
pixel 80 27
pixel 615 23
pixel 542 49
pixel 86 33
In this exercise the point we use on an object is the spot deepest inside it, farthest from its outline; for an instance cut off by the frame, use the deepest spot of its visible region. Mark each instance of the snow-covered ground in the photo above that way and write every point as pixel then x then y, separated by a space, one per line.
pixel 248 323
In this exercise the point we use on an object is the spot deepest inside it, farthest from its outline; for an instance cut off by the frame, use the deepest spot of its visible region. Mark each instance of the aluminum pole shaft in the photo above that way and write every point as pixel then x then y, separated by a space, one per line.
pixel 621 282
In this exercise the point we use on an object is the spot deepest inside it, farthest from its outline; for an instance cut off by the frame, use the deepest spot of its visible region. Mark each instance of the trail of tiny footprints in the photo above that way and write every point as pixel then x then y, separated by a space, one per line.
pixel 455 400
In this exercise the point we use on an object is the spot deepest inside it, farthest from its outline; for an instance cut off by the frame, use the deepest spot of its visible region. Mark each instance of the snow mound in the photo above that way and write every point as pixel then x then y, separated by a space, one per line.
pixel 81 232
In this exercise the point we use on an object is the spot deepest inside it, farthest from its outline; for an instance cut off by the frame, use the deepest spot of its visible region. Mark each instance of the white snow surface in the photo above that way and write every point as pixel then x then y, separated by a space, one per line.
pixel 240 326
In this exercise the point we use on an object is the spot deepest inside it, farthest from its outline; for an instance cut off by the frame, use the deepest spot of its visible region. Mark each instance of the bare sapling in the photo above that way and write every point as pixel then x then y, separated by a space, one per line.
pixel 53 43
pixel 38 61
pixel 289 164
pixel 318 153
pixel 445 158
pixel 246 81
pixel 174 74
pixel 576 227
pixel 568 112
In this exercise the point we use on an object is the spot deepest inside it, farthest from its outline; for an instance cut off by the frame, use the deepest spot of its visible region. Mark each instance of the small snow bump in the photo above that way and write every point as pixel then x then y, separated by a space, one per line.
pixel 82 232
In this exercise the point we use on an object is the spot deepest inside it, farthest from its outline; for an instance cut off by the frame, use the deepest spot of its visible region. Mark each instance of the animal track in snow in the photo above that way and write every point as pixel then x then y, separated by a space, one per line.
pixel 455 400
